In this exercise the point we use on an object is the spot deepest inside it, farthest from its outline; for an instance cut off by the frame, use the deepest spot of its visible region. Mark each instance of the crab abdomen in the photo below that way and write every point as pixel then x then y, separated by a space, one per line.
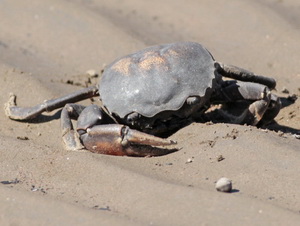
pixel 156 79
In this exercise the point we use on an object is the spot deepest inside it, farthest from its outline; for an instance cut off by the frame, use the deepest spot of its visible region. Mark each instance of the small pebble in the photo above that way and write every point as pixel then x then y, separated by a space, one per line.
pixel 92 73
pixel 189 160
pixel 220 158
pixel 285 90
pixel 224 185
pixel 297 136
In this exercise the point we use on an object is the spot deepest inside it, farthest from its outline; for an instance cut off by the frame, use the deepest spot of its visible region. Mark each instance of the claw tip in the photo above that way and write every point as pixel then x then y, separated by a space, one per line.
pixel 10 103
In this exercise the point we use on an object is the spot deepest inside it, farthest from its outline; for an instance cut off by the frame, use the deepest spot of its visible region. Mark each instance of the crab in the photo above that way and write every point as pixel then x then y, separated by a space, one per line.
pixel 151 92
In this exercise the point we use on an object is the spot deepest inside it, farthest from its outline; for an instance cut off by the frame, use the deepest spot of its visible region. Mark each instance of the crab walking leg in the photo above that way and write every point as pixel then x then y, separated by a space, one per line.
pixel 70 137
pixel 237 73
pixel 272 110
pixel 115 139
pixel 264 108
pixel 24 113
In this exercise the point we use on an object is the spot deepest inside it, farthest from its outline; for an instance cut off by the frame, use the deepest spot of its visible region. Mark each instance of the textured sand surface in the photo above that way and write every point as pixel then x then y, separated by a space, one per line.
pixel 45 49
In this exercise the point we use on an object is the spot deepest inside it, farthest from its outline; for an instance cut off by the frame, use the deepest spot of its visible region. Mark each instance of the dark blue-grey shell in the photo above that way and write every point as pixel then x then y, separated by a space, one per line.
pixel 156 79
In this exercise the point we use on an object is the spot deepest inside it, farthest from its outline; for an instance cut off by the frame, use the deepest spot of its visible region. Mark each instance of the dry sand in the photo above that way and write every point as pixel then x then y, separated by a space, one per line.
pixel 45 44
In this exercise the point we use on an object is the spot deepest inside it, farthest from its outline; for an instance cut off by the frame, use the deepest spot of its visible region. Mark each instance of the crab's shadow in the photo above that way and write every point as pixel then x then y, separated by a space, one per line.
pixel 42 118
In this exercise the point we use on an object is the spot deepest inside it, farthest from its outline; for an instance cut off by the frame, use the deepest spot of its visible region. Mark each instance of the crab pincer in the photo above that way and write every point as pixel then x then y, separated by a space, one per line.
pixel 115 139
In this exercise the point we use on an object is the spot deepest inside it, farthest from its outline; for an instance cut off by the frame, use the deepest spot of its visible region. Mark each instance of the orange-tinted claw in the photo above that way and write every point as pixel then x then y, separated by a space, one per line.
pixel 120 140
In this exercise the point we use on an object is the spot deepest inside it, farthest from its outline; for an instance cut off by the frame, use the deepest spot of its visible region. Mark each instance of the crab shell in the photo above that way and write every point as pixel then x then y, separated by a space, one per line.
pixel 157 79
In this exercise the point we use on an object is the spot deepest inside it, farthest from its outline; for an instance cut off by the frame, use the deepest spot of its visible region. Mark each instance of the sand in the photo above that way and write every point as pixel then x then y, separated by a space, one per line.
pixel 46 47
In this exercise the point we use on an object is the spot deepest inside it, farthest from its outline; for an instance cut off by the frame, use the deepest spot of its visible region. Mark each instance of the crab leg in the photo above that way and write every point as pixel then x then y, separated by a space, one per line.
pixel 264 108
pixel 70 137
pixel 114 139
pixel 24 113
pixel 237 73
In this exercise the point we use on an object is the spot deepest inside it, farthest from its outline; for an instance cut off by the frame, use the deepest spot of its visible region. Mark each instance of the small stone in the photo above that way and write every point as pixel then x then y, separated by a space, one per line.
pixel 220 158
pixel 92 73
pixel 224 185
pixel 297 136
pixel 189 160
pixel 285 90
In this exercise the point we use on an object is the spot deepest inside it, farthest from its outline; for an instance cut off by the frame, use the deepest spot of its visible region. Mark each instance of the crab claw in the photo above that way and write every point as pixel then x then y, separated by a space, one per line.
pixel 114 139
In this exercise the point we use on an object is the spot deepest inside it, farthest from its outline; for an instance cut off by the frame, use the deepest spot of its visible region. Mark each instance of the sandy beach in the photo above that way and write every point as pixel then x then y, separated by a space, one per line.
pixel 46 49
